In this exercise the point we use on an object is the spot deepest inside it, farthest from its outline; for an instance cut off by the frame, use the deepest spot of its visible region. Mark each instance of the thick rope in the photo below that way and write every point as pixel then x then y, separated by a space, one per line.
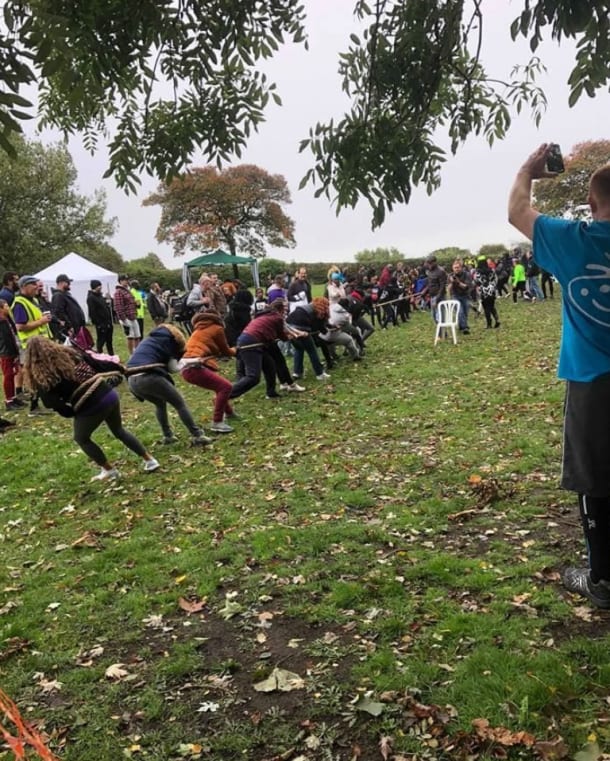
pixel 88 387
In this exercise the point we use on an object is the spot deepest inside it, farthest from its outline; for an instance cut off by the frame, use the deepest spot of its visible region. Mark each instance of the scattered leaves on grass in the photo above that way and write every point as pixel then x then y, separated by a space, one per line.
pixel 47 686
pixel 502 735
pixel 85 658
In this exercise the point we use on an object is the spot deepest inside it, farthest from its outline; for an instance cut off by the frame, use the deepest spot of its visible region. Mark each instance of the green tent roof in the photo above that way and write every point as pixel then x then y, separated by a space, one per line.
pixel 219 257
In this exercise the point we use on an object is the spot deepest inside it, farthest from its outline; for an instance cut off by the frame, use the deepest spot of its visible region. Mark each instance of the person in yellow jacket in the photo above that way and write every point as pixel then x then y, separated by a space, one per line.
pixel 518 279
pixel 29 321
pixel 138 297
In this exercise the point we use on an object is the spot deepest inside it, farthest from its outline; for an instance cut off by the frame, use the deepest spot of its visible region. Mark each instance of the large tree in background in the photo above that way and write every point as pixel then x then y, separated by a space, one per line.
pixel 379 255
pixel 239 208
pixel 42 217
pixel 564 195
pixel 493 250
pixel 163 79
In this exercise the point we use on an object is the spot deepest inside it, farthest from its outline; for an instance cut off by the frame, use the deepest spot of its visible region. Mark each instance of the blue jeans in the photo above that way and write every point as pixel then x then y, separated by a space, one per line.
pixel 463 313
pixel 302 345
pixel 533 286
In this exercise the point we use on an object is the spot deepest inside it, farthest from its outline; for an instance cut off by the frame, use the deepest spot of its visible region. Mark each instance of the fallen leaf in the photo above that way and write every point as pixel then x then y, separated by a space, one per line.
pixel 385 746
pixel 552 750
pixel 369 706
pixel 116 672
pixel 192 606
pixel 583 612
pixel 280 680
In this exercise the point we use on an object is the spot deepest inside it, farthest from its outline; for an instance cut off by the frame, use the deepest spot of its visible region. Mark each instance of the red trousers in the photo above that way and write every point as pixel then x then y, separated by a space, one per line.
pixel 9 366
pixel 202 376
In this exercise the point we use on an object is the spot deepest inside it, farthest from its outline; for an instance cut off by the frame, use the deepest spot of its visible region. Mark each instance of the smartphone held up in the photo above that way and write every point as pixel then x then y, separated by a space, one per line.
pixel 554 159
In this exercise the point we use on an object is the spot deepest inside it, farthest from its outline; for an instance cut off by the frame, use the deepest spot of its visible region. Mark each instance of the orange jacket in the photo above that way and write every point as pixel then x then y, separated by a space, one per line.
pixel 208 340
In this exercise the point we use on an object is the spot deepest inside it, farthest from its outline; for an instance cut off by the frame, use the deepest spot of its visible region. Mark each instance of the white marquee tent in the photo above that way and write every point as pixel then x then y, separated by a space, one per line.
pixel 82 272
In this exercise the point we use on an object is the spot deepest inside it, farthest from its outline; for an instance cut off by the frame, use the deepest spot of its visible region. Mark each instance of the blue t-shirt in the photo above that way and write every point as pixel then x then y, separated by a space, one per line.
pixel 578 254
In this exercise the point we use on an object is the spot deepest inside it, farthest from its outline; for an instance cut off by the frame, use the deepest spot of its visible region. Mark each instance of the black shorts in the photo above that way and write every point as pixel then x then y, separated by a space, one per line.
pixel 586 437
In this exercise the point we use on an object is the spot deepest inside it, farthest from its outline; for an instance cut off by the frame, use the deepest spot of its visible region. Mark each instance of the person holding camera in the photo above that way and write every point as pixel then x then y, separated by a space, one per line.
pixel 576 254
pixel 460 286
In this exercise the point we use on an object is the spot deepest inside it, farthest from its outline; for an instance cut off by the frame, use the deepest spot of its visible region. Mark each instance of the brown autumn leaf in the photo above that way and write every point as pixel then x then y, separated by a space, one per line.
pixel 192 606
pixel 385 746
pixel 88 539
pixel 552 750
pixel 502 735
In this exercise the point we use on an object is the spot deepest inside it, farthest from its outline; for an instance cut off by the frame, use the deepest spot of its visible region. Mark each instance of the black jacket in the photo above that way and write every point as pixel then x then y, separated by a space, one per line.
pixel 99 311
pixel 238 316
pixel 67 309
pixel 8 339
pixel 157 308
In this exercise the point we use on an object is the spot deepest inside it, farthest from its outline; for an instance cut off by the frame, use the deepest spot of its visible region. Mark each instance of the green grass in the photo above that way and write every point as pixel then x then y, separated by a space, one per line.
pixel 394 534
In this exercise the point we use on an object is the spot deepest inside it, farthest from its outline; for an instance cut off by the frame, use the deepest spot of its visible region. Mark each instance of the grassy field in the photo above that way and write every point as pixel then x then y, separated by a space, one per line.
pixel 368 570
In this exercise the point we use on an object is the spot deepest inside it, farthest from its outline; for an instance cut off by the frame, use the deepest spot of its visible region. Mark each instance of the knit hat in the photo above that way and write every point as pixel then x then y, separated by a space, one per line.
pixel 95 284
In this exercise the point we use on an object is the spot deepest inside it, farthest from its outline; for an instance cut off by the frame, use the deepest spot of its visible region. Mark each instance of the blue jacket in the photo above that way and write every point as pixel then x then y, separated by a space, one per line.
pixel 157 348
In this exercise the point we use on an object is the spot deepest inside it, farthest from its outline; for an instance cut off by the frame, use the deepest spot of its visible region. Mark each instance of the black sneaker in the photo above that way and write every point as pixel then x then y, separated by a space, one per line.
pixel 578 580
pixel 13 405
pixel 4 424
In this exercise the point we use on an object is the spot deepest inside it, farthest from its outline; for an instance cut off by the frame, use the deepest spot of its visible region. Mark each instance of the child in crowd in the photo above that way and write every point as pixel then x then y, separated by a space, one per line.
pixel 9 357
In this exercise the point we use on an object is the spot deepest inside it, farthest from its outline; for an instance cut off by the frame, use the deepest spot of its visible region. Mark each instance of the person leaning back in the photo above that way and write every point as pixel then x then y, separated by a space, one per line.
pixel 576 254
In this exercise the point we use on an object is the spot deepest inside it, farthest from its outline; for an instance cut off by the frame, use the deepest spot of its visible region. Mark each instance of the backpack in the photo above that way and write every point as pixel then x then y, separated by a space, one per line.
pixel 101 365
pixel 181 311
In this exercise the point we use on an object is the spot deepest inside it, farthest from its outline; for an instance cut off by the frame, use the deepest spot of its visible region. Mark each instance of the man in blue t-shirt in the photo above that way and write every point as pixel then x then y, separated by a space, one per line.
pixel 578 255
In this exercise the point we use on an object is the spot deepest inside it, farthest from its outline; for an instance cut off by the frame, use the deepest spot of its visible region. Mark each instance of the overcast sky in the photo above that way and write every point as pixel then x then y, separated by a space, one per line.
pixel 468 211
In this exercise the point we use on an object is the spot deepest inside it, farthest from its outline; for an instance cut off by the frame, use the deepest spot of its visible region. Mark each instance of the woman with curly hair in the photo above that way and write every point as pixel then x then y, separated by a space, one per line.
pixel 310 318
pixel 68 383
pixel 149 370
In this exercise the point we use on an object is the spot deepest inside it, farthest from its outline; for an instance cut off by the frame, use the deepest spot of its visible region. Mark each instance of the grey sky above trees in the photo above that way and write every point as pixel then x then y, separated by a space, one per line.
pixel 469 210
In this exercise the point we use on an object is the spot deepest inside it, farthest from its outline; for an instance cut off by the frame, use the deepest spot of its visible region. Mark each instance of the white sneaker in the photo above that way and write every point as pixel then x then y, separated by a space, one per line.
pixel 150 465
pixel 291 387
pixel 221 427
pixel 323 377
pixel 106 474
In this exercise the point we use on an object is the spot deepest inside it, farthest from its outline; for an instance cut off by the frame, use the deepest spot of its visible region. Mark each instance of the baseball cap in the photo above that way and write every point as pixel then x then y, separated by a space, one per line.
pixel 63 279
pixel 95 284
pixel 27 280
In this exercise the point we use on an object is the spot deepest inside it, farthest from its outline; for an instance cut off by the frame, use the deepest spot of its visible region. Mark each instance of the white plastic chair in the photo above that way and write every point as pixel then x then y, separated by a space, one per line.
pixel 447 319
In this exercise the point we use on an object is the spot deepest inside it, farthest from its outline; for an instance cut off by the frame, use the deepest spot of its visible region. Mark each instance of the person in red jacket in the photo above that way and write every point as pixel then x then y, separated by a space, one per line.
pixel 258 334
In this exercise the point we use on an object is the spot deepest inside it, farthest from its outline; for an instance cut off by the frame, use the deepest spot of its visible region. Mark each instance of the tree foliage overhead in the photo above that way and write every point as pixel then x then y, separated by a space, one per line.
pixel 563 195
pixel 43 217
pixel 161 79
pixel 173 77
pixel 239 208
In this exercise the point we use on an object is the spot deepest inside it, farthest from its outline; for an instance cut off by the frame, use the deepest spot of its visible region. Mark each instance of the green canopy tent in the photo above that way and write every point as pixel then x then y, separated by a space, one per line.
pixel 215 259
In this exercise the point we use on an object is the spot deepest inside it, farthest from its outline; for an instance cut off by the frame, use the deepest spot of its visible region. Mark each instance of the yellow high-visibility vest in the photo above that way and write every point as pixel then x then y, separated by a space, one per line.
pixel 34 313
